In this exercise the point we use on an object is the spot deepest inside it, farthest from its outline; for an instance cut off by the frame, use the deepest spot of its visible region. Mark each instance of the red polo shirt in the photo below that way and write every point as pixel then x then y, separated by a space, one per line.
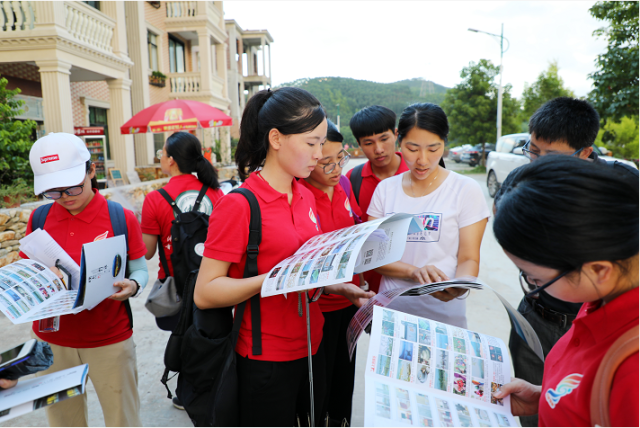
pixel 334 214
pixel 572 364
pixel 157 214
pixel 369 183
pixel 108 322
pixel 284 229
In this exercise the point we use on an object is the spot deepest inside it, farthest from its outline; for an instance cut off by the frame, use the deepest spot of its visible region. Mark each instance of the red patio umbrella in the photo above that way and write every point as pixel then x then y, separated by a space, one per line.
pixel 175 115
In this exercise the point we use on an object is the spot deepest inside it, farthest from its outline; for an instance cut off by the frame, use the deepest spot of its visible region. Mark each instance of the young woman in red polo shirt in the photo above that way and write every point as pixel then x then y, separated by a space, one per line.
pixel 179 158
pixel 335 211
pixel 281 138
pixel 571 226
pixel 100 337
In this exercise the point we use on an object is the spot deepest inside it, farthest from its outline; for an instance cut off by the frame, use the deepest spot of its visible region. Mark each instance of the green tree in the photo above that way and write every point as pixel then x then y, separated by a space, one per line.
pixel 472 106
pixel 15 138
pixel 615 81
pixel 548 86
pixel 625 143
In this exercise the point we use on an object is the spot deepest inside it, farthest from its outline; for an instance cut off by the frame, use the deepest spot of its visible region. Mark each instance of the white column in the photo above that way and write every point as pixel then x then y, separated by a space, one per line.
pixel 225 144
pixel 122 150
pixel 269 65
pixel 264 56
pixel 115 10
pixel 137 46
pixel 204 41
pixel 56 95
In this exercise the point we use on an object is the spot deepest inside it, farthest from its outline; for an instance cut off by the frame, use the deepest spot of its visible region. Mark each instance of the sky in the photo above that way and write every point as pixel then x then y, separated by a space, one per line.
pixel 388 41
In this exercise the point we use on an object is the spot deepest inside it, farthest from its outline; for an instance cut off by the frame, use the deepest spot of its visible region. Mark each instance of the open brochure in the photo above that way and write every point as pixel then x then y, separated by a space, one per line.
pixel 332 258
pixel 420 372
pixel 364 315
pixel 42 391
pixel 30 291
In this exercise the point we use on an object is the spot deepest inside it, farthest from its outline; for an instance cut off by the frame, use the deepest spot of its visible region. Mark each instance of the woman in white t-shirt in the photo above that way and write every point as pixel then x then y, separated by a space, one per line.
pixel 453 212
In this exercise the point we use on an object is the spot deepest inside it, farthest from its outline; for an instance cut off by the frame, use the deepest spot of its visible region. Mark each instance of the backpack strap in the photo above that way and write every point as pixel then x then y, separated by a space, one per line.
pixel 163 257
pixel 251 268
pixel 40 216
pixel 200 197
pixel 119 226
pixel 625 346
pixel 346 185
pixel 171 202
pixel 356 181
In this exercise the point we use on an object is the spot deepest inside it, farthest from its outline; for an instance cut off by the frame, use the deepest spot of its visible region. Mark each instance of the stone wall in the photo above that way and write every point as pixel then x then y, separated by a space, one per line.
pixel 13 223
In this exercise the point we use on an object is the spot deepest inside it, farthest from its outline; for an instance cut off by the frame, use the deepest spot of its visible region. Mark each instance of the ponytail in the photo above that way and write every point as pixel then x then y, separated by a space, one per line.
pixel 289 110
pixel 186 150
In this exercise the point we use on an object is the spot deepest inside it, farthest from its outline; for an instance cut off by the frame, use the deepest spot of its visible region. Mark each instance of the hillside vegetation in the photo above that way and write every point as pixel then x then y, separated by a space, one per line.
pixel 353 95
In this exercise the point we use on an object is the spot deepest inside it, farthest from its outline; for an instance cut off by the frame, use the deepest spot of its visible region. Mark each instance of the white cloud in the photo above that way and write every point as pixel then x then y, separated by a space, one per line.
pixel 390 41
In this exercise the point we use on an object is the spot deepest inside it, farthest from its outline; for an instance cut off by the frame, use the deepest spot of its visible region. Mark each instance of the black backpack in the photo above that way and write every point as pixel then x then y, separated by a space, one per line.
pixel 188 230
pixel 202 346
pixel 356 182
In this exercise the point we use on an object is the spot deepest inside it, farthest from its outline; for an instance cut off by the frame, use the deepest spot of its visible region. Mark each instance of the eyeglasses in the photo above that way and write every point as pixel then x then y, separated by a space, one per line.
pixel 532 289
pixel 70 191
pixel 328 168
pixel 535 155
pixel 159 154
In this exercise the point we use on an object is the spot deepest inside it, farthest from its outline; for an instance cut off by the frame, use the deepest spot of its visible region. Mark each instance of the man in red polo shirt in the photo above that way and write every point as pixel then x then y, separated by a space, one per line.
pixel 375 130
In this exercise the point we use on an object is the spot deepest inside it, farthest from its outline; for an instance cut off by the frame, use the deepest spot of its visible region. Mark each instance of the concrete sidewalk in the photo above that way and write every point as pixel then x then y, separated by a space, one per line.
pixel 484 311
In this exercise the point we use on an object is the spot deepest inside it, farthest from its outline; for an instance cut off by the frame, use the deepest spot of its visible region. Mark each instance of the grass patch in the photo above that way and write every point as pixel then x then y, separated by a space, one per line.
pixel 479 169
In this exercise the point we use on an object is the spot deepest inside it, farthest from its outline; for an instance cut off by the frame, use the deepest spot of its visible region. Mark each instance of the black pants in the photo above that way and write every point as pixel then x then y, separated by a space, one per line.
pixel 526 364
pixel 340 370
pixel 273 393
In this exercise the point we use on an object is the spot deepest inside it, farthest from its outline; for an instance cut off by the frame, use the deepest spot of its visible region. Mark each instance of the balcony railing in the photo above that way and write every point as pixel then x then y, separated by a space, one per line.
pixel 184 83
pixel 17 15
pixel 181 9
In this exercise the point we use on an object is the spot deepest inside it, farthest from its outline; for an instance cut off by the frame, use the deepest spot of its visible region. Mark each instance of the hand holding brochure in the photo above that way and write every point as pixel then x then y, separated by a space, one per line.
pixel 32 394
pixel 30 291
pixel 420 372
pixel 333 258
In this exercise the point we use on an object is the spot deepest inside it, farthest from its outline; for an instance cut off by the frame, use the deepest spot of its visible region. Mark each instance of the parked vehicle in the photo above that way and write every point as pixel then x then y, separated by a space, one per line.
pixel 508 156
pixel 455 153
pixel 472 156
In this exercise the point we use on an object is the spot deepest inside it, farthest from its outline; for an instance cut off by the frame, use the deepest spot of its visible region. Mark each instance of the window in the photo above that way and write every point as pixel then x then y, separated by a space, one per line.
pixel 98 117
pixel 152 42
pixel 93 4
pixel 176 56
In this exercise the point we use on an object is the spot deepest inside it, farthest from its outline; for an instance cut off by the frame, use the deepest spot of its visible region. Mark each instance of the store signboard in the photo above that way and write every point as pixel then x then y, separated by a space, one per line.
pixel 31 109
pixel 88 130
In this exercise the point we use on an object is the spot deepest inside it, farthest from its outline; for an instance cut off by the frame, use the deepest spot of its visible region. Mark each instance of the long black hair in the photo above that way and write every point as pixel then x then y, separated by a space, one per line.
pixel 186 150
pixel 94 180
pixel 427 116
pixel 289 110
pixel 561 212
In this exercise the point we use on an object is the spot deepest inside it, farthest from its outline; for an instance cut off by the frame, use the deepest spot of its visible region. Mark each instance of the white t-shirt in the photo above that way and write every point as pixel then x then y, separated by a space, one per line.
pixel 458 202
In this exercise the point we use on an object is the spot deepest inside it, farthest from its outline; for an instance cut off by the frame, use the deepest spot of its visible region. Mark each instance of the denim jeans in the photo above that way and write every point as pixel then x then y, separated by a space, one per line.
pixel 526 364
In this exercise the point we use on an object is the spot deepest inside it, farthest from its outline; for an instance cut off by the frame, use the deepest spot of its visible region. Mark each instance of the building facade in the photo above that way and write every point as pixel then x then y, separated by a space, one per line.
pixel 95 64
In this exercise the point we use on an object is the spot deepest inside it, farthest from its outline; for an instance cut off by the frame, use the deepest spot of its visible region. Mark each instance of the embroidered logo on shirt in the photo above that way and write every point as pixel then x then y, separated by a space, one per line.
pixel 313 218
pixel 565 387
pixel 101 236
pixel 347 206
pixel 50 158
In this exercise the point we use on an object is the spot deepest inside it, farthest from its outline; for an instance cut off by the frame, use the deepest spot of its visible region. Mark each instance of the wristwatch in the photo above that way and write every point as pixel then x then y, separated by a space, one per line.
pixel 138 289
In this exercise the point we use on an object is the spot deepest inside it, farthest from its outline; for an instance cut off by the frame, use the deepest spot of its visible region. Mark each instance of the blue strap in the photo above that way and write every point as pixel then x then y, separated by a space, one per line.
pixel 118 220
pixel 40 216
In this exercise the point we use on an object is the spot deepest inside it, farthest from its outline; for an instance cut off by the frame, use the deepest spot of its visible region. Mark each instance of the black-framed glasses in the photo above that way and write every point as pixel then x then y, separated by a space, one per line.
pixel 531 289
pixel 70 191
pixel 535 155
pixel 330 167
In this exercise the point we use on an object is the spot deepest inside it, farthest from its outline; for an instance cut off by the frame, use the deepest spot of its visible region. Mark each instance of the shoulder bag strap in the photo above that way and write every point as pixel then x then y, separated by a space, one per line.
pixel 346 185
pixel 251 267
pixel 200 197
pixel 40 216
pixel 171 202
pixel 119 226
pixel 356 181
pixel 623 348
pixel 163 257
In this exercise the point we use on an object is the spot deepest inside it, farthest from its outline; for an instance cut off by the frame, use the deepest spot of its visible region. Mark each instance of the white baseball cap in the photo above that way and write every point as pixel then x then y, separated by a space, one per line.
pixel 58 160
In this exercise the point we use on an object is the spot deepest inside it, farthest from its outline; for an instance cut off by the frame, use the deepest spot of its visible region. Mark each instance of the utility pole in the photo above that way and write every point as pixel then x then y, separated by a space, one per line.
pixel 338 121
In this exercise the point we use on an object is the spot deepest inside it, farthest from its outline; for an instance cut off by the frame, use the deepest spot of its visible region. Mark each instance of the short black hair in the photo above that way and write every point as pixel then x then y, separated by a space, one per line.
pixel 372 120
pixel 568 119
pixel 333 134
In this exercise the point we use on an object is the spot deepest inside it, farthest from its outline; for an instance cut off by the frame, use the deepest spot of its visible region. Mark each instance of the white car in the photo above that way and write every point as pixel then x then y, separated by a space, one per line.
pixel 508 156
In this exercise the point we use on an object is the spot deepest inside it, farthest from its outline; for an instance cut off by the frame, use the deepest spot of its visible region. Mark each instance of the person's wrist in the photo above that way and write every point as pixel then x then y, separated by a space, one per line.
pixel 136 288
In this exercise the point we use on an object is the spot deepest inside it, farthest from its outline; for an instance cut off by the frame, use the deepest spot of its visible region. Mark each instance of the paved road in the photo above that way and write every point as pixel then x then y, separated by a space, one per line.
pixel 485 314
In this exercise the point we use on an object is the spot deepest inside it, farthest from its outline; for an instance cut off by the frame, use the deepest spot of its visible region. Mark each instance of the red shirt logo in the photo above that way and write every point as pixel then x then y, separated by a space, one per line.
pixel 50 158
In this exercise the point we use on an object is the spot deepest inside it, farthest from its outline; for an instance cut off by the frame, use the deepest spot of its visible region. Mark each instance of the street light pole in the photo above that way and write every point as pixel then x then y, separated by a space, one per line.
pixel 502 51
pixel 338 121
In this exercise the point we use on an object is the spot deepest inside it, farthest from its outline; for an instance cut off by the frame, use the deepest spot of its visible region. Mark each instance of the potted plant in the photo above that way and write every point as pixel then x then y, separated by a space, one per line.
pixel 12 195
pixel 158 79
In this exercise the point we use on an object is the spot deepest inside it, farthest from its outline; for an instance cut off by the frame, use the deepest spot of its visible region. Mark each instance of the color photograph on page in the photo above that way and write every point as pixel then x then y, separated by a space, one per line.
pixel 421 372
pixel 332 258
pixel 30 291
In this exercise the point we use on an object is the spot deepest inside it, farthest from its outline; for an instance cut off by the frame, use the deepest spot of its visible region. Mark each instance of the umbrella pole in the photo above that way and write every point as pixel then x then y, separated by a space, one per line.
pixel 313 419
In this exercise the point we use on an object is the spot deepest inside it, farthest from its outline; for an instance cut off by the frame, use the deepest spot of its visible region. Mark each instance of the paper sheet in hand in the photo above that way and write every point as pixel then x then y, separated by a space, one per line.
pixel 29 291
pixel 332 258
pixel 420 372
pixel 42 391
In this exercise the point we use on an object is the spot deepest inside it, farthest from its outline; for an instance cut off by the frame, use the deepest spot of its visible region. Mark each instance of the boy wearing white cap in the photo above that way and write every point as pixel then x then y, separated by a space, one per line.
pixel 100 337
